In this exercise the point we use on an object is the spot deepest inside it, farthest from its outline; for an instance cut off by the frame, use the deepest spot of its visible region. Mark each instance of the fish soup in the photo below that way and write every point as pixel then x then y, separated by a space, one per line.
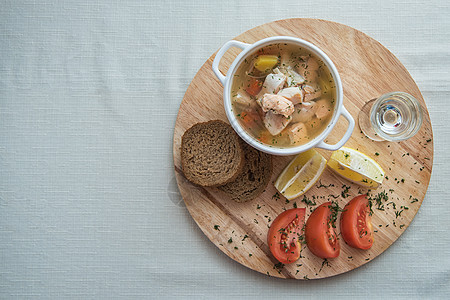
pixel 283 95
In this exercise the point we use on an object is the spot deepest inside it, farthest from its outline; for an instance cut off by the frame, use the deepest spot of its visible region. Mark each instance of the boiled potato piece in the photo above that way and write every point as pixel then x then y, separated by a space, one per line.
pixel 264 63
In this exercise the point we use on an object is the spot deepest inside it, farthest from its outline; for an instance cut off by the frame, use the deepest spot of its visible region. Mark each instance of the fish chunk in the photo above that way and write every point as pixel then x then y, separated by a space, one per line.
pixel 304 112
pixel 309 68
pixel 278 104
pixel 275 123
pixel 323 108
pixel 313 65
pixel 311 93
pixel 292 77
pixel 273 83
pixel 294 94
pixel 243 99
pixel 298 134
pixel 278 72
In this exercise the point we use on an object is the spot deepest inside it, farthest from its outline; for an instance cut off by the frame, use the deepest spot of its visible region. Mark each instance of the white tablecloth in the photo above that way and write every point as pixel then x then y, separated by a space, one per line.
pixel 89 94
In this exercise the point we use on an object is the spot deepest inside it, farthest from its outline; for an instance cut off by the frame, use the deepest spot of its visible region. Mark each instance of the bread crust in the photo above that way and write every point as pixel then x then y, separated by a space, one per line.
pixel 211 154
pixel 254 177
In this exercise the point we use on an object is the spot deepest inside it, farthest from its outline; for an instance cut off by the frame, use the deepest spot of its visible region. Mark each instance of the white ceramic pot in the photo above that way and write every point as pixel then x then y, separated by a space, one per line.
pixel 249 49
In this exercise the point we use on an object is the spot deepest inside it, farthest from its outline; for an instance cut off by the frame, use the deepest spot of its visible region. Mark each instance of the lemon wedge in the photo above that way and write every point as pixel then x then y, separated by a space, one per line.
pixel 300 174
pixel 356 167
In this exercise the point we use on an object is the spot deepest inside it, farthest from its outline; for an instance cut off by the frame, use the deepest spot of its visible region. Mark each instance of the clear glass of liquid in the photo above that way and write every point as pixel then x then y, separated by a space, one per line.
pixel 395 116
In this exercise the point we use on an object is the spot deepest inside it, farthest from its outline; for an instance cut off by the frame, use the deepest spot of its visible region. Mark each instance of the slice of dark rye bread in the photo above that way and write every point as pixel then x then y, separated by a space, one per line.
pixel 254 177
pixel 211 154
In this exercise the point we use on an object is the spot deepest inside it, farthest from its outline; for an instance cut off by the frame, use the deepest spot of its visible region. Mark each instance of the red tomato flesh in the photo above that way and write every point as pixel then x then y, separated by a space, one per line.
pixel 284 237
pixel 356 225
pixel 320 235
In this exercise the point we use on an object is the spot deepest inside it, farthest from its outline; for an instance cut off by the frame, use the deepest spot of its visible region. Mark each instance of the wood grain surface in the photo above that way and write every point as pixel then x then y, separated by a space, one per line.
pixel 368 70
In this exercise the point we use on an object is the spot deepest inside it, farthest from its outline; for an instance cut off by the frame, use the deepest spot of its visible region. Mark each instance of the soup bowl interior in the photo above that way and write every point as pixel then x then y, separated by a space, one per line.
pixel 250 50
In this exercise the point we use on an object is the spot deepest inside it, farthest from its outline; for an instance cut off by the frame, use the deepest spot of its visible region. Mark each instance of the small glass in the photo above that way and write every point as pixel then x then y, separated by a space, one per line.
pixel 395 116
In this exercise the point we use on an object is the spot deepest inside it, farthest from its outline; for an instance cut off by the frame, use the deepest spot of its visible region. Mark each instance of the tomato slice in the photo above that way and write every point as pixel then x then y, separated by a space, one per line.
pixel 254 87
pixel 356 225
pixel 284 237
pixel 320 235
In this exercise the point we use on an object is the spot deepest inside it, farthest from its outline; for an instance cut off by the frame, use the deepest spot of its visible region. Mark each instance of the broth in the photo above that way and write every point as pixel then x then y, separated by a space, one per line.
pixel 283 95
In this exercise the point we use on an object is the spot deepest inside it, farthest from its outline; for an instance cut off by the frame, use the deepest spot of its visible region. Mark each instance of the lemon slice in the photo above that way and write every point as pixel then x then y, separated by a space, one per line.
pixel 356 167
pixel 300 174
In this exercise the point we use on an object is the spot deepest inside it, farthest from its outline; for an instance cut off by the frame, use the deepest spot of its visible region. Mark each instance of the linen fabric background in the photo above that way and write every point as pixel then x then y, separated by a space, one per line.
pixel 89 94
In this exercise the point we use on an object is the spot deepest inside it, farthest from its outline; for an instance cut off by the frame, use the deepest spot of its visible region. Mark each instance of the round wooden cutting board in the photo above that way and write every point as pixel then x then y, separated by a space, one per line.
pixel 368 70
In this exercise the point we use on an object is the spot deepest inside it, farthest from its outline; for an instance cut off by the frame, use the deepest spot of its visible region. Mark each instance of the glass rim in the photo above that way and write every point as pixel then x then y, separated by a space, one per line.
pixel 410 132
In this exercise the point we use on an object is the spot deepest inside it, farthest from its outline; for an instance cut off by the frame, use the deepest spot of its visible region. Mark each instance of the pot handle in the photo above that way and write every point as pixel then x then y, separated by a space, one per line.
pixel 220 53
pixel 348 133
